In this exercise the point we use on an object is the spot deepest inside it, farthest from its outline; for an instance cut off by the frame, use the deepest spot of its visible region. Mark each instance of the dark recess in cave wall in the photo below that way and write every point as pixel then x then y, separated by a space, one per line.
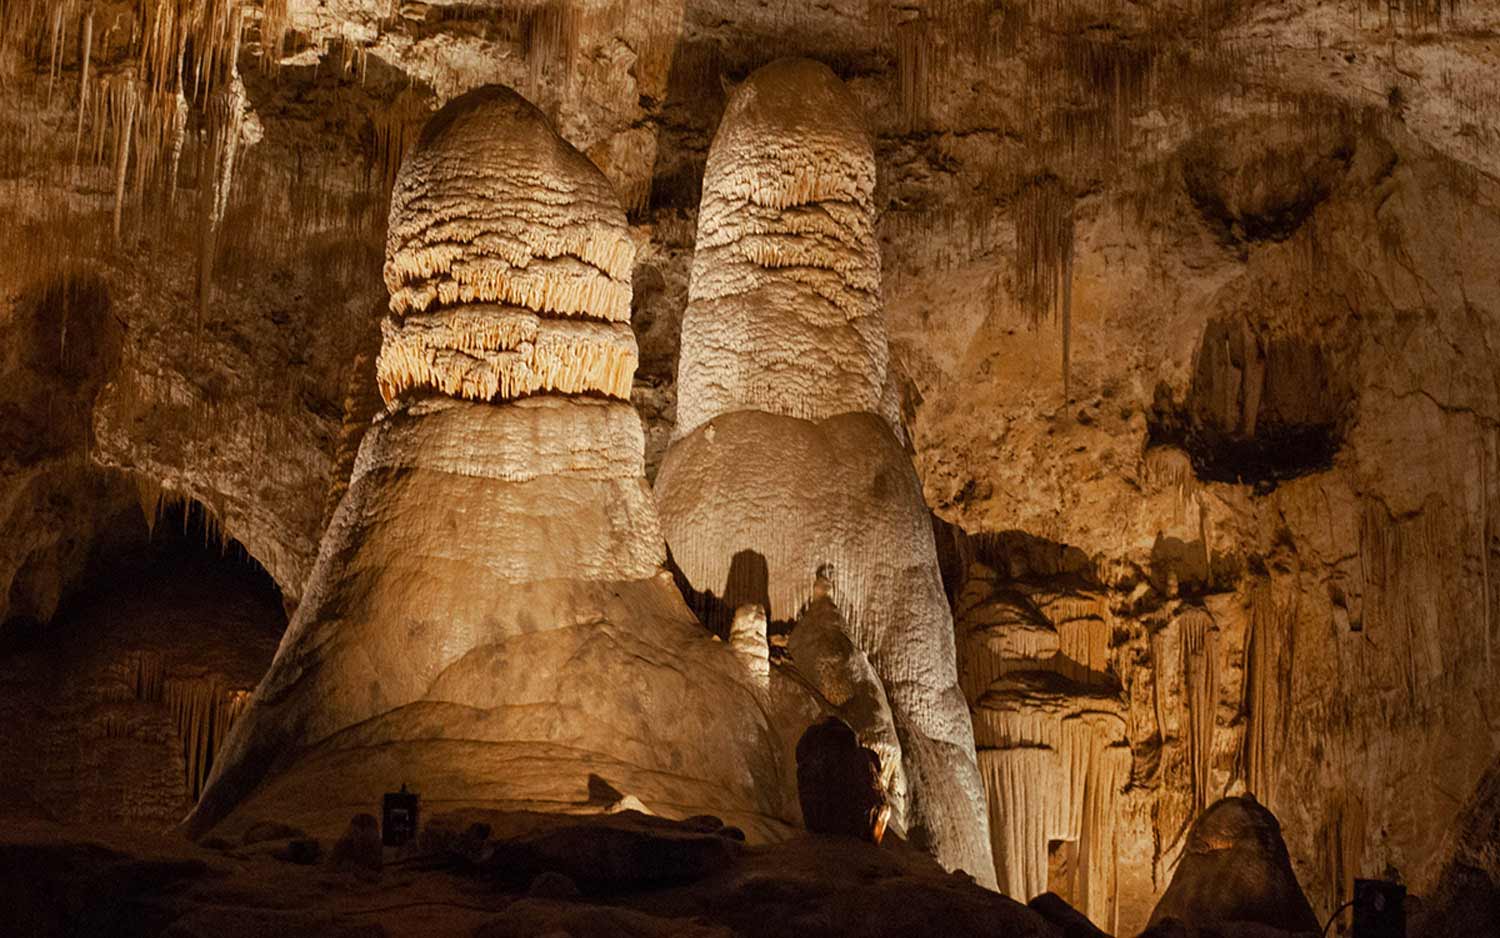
pixel 125 552
pixel 1260 410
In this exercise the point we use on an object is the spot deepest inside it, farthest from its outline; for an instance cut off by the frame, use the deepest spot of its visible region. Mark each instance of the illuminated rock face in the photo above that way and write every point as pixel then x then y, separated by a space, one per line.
pixel 784 312
pixel 508 262
pixel 784 454
pixel 488 620
pixel 1051 736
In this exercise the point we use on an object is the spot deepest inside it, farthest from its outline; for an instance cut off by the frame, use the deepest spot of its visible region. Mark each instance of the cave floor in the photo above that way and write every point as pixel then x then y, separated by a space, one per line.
pixel 632 875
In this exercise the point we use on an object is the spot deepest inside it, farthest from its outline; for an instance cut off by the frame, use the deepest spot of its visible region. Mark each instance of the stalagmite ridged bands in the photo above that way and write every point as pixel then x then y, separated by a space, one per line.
pixel 489 620
pixel 784 311
pixel 487 353
pixel 785 450
pixel 508 262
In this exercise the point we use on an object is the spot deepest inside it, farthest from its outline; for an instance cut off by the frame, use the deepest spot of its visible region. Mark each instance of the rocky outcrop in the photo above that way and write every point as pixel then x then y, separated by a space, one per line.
pixel 489 620
pixel 644 876
pixel 783 456
pixel 1466 899
pixel 820 651
pixel 1236 870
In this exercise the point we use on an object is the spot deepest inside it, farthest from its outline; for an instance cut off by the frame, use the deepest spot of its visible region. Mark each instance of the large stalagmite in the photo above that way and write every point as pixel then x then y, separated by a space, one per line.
pixel 784 451
pixel 489 620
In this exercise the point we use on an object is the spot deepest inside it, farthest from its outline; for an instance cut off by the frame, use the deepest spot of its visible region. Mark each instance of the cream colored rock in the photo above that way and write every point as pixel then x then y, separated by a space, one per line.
pixel 779 452
pixel 488 620
pixel 747 636
pixel 498 216
pixel 1050 730
pixel 822 653
pixel 784 308
pixel 840 494
pixel 1054 760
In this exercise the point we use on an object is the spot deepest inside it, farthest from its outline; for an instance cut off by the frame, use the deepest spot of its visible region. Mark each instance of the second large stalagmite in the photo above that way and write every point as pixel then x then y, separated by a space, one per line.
pixel 786 455
pixel 489 620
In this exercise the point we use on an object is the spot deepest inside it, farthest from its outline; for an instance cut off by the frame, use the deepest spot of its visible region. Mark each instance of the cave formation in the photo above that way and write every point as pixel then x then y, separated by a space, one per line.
pixel 1080 419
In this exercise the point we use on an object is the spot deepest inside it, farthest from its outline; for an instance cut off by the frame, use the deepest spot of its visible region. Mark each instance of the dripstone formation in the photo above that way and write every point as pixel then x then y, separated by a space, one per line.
pixel 786 450
pixel 489 618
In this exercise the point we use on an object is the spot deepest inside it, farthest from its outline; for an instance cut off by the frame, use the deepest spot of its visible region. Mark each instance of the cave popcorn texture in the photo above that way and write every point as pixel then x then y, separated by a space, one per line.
pixel 489 620
pixel 787 447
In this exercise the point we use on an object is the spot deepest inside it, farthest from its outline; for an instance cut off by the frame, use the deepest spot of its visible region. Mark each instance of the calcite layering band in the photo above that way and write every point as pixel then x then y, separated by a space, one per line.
pixel 489 620
pixel 508 262
pixel 486 352
pixel 784 312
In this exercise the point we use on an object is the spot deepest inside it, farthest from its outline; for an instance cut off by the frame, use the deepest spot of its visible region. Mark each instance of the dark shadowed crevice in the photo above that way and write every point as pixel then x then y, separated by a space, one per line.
pixel 116 707
pixel 1260 409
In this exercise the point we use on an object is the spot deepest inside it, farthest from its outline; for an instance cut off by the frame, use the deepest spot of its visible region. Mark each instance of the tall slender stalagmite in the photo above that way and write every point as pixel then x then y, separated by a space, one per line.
pixel 489 620
pixel 785 454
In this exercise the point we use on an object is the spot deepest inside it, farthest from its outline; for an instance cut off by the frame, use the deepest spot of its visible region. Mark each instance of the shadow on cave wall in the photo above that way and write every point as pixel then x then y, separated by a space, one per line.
pixel 61 345
pixel 748 582
pixel 1260 409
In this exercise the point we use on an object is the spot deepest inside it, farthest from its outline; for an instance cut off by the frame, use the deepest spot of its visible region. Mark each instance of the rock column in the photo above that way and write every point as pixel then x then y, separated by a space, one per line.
pixel 489 620
pixel 786 449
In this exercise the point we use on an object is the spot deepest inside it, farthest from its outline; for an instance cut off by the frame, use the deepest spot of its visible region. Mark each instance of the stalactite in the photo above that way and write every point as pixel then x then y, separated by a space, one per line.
pixel 1486 464
pixel 552 30
pixel 150 676
pixel 1399 562
pixel 1200 652
pixel 1341 848
pixel 1268 695
pixel 1054 766
pixel 54 65
pixel 1044 257
pixel 160 60
pixel 149 496
pixel 395 130
pixel 274 26
pixel 1418 15
pixel 156 500
pixel 1034 653
pixel 204 711
pixel 127 102
pixel 913 49
pixel 86 52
